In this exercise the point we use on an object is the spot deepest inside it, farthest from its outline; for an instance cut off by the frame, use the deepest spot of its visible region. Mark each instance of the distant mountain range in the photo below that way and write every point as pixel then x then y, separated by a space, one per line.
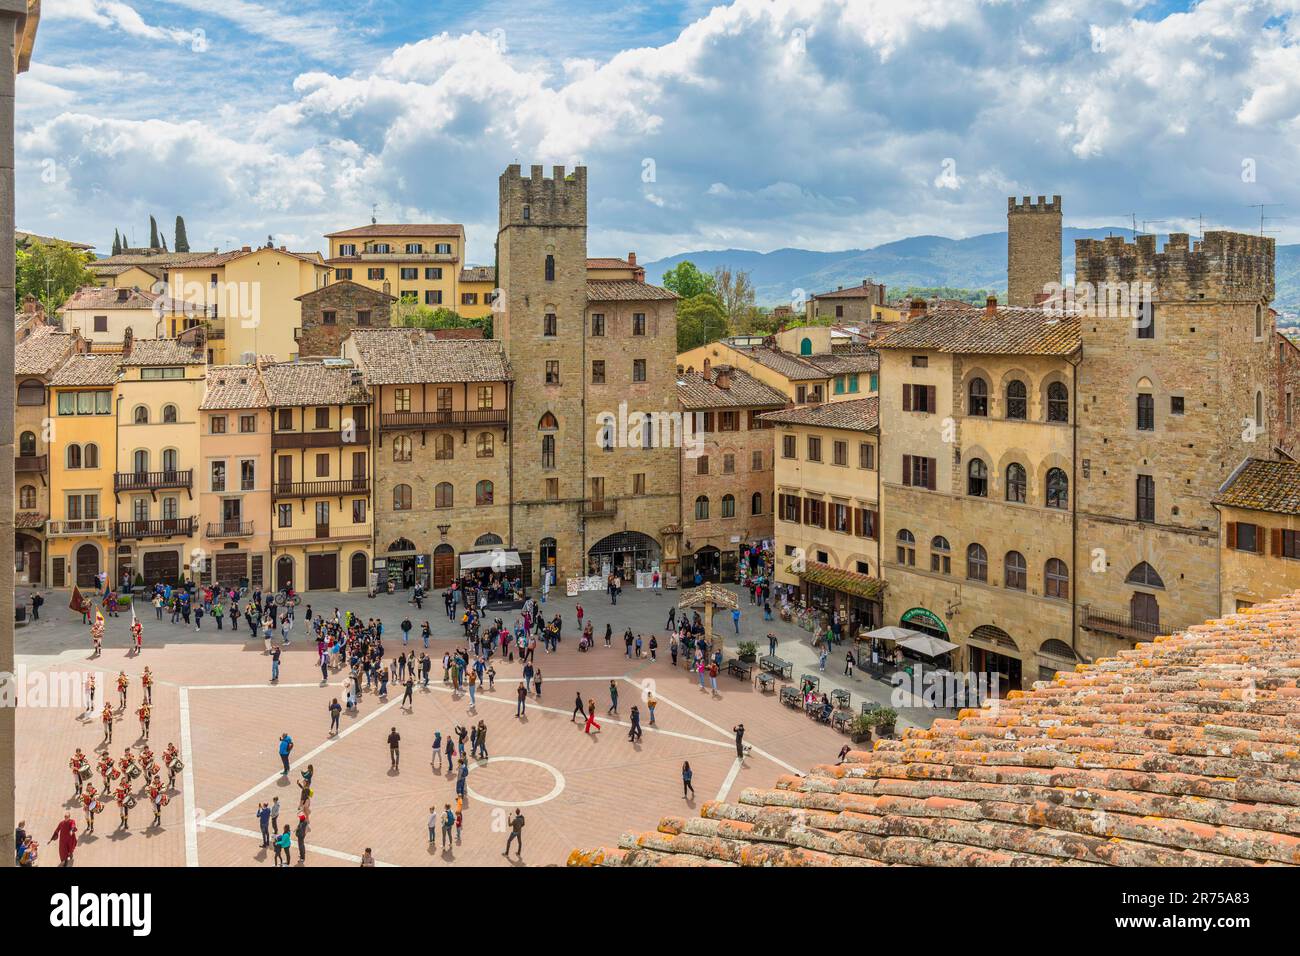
pixel 979 262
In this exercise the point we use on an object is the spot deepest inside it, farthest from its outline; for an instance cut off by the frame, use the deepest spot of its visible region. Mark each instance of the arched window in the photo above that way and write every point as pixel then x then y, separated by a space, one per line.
pixel 402 448
pixel 805 346
pixel 547 423
pixel 401 497
pixel 1259 321
pixel 31 392
pixel 977 563
pixel 140 461
pixel 169 414
pixel 1016 482
pixel 550 268
pixel 444 448
pixel 1058 489
pixel 702 508
pixel 90 455
pixel 483 445
pixel 1143 575
pixel 1014 571
pixel 27 497
pixel 73 456
pixel 171 459
pixel 940 555
pixel 548 451
pixel 1259 410
pixel 27 444
pixel 1017 400
pixel 728 506
pixel 906 547
pixel 141 415
pixel 977 478
pixel 756 503
pixel 443 495
pixel 483 493
pixel 1056 579
pixel 1058 403
pixel 977 402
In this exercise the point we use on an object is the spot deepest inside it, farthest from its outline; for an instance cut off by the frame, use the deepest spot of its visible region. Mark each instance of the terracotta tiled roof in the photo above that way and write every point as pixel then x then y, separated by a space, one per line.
pixel 783 363
pixel 234 386
pixel 845 363
pixel 625 290
pixel 871 291
pixel 410 356
pixel 99 368
pixel 311 383
pixel 102 297
pixel 40 352
pixel 1181 752
pixel 971 331
pixel 29 520
pixel 23 238
pixel 840 579
pixel 695 391
pixel 162 352
pixel 478 274
pixel 609 262
pixel 373 293
pixel 103 270
pixel 162 260
pixel 415 230
pixel 859 414
pixel 471 332
pixel 1263 486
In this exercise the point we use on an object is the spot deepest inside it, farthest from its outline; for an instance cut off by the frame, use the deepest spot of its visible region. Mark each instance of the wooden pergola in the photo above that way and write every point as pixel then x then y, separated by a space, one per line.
pixel 710 597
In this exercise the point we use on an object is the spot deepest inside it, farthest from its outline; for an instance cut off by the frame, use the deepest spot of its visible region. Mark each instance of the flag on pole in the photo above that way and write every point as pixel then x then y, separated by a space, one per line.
pixel 99 617
pixel 78 603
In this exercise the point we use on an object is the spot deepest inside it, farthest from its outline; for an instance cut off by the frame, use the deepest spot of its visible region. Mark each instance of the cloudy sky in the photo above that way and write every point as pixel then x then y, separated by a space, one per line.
pixel 822 124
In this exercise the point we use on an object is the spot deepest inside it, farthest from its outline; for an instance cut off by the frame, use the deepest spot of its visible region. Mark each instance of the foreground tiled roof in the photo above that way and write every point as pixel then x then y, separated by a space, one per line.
pixel 414 230
pixel 971 331
pixel 311 383
pixel 159 259
pixel 162 352
pixel 234 386
pixel 1181 752
pixel 41 351
pixel 859 414
pixel 625 290
pixel 410 356
pixel 102 297
pixel 478 274
pixel 99 368
pixel 1263 486
pixel 29 520
pixel 696 391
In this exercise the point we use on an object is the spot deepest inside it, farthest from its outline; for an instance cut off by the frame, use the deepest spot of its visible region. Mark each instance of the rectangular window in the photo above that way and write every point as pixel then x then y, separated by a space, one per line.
pixel 374 274
pixel 919 398
pixel 728 421
pixel 552 488
pixel 433 297
pixel 638 370
pixel 101 323
pixel 443 398
pixel 1146 320
pixel 756 461
pixel 814 448
pixel 329 317
pixel 788 446
pixel 839 384
pixel 801 394
pixel 864 522
pixel 1248 538
pixel 866 455
pixel 322 465
pixel 919 472
pixel 217 424
pixel 920 361
pixel 598 372
pixel 247 474
pixel 840 518
pixel 728 464
pixel 638 323
pixel 410 296
pixel 1146 413
pixel 401 399
pixel 485 398
pixel 218 476
pixel 322 417
pixel 1176 405
pixel 285 515
pixel 840 453
pixel 358 510
pixel 433 272
pixel 1290 544
pixel 597 323
pixel 638 483
pixel 814 512
pixel 341 274
pixel 247 424
pixel 156 374
pixel 553 372
pixel 67 403
pixel 409 273
pixel 702 465
pixel 469 298
pixel 549 324
pixel 1146 498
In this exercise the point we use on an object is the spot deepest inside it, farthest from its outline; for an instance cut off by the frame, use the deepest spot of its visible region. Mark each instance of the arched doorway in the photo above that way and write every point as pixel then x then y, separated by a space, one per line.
pixel 991 651
pixel 283 572
pixel 623 553
pixel 708 563
pixel 27 559
pixel 87 563
pixel 402 563
pixel 1055 656
pixel 357 576
pixel 444 566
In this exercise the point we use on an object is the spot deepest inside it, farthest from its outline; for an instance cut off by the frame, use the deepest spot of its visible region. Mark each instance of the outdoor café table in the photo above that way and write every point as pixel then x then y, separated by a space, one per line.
pixel 841 698
pixel 841 719
pixel 738 668
pixel 790 697
pixel 776 665
pixel 766 681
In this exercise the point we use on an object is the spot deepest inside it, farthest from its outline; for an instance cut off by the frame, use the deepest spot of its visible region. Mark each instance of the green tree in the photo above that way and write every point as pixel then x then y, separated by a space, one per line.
pixel 153 233
pixel 687 280
pixel 422 317
pixel 51 272
pixel 182 240
pixel 700 319
pixel 735 291
pixel 117 243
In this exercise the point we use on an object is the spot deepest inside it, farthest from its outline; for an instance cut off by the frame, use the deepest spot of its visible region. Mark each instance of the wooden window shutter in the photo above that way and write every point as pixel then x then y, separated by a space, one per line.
pixel 931 401
pixel 1276 534
pixel 929 473
pixel 857 522
pixel 907 470
pixel 907 398
pixel 1232 534
pixel 807 511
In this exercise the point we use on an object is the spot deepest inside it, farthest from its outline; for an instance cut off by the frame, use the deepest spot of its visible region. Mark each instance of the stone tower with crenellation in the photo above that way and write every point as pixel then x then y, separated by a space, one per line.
pixel 1033 249
pixel 542 274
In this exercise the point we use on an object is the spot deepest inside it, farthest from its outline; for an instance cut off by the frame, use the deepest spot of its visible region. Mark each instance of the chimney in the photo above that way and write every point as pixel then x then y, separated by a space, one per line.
pixel 708 369
pixel 917 309
pixel 29 304
pixel 722 378
pixel 127 338
pixel 991 307
pixel 631 258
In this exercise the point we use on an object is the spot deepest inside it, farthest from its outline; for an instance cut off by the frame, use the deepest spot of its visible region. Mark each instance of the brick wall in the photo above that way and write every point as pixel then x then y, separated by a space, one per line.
pixel 344 299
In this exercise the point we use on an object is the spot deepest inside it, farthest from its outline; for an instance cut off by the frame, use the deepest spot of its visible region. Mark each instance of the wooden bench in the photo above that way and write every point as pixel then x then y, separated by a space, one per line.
pixel 740 669
pixel 776 665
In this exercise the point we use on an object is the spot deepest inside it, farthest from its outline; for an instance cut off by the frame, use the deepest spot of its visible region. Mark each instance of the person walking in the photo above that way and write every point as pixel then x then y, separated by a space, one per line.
pixel 591 716
pixel 634 734
pixel 771 644
pixel 275 665
pixel 516 834
pixel 687 776
pixel 408 696
pixel 650 702
pixel 394 738
pixel 613 699
pixel 480 743
pixel 275 817
pixel 301 833
pixel 739 731
pixel 848 664
pixel 286 748
pixel 735 618
pixel 448 821
pixel 433 825
pixel 578 710
pixel 522 693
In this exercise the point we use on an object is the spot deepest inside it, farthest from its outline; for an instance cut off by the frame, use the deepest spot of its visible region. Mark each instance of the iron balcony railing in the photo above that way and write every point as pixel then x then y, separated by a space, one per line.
pixel 155 528
pixel 229 529
pixel 151 480
pixel 1124 624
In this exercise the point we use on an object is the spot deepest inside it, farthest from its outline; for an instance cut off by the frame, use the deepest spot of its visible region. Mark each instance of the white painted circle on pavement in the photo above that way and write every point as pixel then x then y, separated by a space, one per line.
pixel 555 791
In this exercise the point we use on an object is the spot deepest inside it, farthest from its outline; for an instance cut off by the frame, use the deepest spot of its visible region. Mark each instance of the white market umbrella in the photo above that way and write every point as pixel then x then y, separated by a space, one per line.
pixel 927 645
pixel 890 632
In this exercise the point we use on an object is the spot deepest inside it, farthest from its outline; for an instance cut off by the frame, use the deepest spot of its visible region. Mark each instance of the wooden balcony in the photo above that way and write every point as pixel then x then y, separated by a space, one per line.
pixel 282 536
pixel 79 527
pixel 1123 624
pixel 603 508
pixel 229 529
pixel 31 464
pixel 442 419
pixel 156 528
pixel 331 438
pixel 320 489
pixel 153 480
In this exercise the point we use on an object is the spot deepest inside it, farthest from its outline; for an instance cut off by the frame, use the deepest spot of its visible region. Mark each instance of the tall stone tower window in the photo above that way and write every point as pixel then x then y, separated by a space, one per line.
pixel 1146 498
pixel 550 325
pixel 550 268
pixel 1146 412
pixel 1146 319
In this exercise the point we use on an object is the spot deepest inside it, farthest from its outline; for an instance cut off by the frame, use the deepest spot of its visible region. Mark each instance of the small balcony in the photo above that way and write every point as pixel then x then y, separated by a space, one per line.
pixel 598 508
pixel 80 528
pixel 1123 624
pixel 442 418
pixel 330 438
pixel 31 464
pixel 282 536
pixel 155 528
pixel 320 489
pixel 229 529
pixel 153 480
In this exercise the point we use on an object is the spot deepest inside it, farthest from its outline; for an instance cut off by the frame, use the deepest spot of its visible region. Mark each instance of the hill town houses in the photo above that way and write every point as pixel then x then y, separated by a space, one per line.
pixel 1041 482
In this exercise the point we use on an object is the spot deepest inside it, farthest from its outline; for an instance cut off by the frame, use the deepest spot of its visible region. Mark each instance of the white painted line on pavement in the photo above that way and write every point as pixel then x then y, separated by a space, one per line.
pixel 187 783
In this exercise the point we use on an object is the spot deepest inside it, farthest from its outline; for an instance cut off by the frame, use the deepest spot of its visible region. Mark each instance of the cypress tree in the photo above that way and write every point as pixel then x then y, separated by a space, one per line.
pixel 117 243
pixel 153 233
pixel 182 240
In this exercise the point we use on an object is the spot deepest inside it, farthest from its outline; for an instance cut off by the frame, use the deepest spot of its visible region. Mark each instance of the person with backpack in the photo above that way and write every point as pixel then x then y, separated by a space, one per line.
pixel 406 631
pixel 286 748
pixel 448 821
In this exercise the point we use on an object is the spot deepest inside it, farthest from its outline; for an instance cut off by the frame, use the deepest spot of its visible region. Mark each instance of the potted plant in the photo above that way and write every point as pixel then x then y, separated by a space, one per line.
pixel 747 651
pixel 860 728
pixel 884 719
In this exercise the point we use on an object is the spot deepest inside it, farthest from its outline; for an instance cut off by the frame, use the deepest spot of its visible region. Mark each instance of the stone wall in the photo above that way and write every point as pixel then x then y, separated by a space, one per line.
pixel 743 483
pixel 344 299
pixel 1033 248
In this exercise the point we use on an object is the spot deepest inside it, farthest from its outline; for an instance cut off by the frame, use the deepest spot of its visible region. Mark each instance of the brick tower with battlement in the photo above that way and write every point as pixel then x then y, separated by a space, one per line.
pixel 1033 249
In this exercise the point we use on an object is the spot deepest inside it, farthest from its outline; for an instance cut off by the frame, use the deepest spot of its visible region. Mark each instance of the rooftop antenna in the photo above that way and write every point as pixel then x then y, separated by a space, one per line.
pixel 1261 206
pixel 1135 225
pixel 374 213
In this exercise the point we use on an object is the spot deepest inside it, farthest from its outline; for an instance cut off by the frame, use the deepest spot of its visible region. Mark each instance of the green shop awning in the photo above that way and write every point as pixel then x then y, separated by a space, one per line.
pixel 838 579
